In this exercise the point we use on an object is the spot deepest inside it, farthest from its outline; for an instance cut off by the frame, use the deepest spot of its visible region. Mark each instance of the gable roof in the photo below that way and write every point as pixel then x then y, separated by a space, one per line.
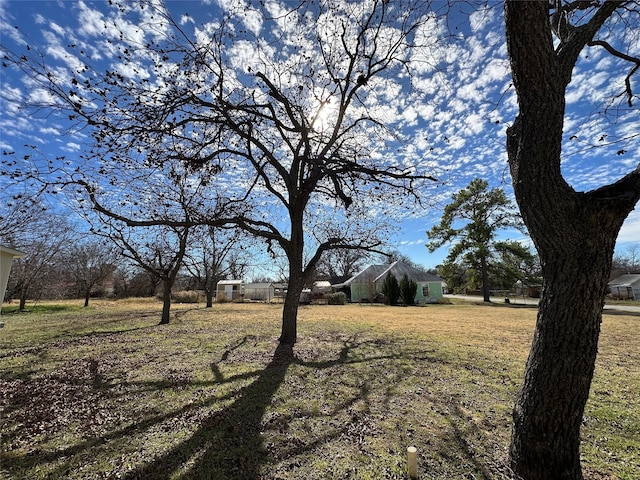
pixel 11 251
pixel 231 282
pixel 628 280
pixel 258 285
pixel 377 273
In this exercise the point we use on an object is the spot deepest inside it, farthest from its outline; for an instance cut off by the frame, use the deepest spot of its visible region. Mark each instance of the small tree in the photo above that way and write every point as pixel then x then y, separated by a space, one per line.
pixel 408 289
pixel 213 255
pixel 158 251
pixel 391 290
pixel 88 266
pixel 45 241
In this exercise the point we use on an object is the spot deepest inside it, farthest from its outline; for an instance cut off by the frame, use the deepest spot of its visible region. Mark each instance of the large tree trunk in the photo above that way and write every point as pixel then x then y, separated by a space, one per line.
pixel 549 408
pixel 289 334
pixel 574 234
pixel 295 254
pixel 87 294
pixel 166 302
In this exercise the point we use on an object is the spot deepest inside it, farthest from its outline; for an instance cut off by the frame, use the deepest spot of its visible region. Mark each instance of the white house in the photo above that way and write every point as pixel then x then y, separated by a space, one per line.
pixel 6 257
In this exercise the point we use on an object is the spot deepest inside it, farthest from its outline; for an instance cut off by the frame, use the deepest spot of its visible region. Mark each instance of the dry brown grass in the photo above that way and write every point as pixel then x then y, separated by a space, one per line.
pixel 106 392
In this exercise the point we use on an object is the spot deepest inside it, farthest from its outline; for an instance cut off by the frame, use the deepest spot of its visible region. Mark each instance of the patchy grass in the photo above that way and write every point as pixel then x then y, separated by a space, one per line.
pixel 105 392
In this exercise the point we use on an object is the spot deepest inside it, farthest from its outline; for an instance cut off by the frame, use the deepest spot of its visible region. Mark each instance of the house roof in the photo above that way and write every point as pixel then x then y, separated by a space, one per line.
pixel 628 280
pixel 377 273
pixel 11 251
pixel 259 285
pixel 230 282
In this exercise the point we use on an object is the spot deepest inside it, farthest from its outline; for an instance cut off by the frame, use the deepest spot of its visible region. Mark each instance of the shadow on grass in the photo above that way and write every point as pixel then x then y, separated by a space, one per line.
pixel 228 443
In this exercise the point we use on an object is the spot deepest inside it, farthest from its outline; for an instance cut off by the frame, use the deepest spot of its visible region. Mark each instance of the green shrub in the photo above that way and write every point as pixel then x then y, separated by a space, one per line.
pixel 337 298
pixel 391 290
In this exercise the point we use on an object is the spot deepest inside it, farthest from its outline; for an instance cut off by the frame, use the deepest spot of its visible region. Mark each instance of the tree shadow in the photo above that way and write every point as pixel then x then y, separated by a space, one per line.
pixel 234 441
pixel 228 443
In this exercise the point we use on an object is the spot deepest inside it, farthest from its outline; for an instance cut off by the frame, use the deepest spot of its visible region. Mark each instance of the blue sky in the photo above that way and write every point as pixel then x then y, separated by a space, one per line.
pixel 458 114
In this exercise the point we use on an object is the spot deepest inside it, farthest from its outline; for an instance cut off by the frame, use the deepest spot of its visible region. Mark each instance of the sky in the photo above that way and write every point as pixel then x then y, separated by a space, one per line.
pixel 461 103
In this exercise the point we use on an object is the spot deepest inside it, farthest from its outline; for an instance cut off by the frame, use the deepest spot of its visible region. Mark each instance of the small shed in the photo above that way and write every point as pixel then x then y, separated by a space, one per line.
pixel 229 290
pixel 626 287
pixel 260 291
pixel 367 285
pixel 6 258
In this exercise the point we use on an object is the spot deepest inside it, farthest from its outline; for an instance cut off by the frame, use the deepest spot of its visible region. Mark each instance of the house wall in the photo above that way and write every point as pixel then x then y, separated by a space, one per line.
pixel 428 292
pixel 366 291
pixel 229 292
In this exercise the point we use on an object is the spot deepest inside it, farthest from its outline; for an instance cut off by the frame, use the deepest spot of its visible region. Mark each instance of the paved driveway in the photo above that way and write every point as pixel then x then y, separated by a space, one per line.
pixel 632 309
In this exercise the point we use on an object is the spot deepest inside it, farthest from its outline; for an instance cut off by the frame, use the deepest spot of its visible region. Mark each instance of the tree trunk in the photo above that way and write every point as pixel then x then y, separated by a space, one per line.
pixel 575 235
pixel 209 294
pixel 289 333
pixel 87 294
pixel 23 300
pixel 166 302
pixel 486 292
pixel 295 254
pixel 549 408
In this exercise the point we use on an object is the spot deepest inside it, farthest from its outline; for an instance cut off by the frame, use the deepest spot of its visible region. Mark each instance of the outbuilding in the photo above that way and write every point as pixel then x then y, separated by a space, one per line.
pixel 260 291
pixel 229 290
pixel 626 287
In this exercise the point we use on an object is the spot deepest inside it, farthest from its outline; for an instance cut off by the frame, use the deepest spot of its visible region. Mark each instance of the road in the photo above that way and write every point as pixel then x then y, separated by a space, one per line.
pixel 632 309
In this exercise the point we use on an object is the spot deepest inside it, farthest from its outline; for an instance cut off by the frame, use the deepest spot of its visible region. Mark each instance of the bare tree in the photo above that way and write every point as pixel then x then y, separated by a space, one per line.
pixel 213 255
pixel 89 264
pixel 303 124
pixel 45 240
pixel 342 264
pixel 289 114
pixel 158 250
pixel 574 232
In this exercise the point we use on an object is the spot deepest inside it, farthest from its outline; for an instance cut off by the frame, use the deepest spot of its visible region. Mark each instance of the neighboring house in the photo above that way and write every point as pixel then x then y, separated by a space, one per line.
pixel 6 258
pixel 626 286
pixel 367 285
pixel 229 290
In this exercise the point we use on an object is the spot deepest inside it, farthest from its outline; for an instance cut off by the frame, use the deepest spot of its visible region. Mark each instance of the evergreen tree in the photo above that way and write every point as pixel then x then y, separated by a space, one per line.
pixel 408 289
pixel 391 290
pixel 484 213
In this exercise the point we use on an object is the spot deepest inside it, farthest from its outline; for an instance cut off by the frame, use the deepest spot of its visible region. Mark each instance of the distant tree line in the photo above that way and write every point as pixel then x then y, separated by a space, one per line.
pixel 64 262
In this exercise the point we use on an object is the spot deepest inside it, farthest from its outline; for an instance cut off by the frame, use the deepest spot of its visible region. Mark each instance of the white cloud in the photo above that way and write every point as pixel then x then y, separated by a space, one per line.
pixel 184 19
pixel 91 22
pixel 630 231
pixel 72 147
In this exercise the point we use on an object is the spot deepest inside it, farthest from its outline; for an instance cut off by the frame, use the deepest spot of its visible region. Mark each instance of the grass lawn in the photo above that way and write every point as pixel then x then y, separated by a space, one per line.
pixel 104 392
